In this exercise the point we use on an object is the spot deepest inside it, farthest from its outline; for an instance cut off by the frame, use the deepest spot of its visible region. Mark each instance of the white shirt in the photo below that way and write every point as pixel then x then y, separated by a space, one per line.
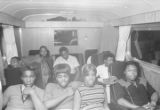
pixel 71 61
pixel 102 73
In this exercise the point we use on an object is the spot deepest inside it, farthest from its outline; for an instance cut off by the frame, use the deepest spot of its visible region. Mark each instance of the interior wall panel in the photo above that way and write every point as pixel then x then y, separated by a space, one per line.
pixel 109 39
pixel 33 38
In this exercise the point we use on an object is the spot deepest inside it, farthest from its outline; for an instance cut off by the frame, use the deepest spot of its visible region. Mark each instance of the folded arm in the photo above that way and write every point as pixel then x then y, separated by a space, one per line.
pixel 123 102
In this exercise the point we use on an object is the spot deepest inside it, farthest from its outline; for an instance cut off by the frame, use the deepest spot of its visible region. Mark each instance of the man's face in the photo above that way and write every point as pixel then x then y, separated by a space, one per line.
pixel 14 62
pixel 108 61
pixel 62 79
pixel 65 54
pixel 131 72
pixel 28 78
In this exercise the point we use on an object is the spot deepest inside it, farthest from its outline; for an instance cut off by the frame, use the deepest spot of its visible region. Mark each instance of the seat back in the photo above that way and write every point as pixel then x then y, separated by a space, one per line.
pixel 117 68
pixel 90 52
pixel 33 52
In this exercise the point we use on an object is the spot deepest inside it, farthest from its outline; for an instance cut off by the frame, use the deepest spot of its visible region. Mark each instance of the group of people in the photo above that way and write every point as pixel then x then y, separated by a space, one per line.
pixel 40 83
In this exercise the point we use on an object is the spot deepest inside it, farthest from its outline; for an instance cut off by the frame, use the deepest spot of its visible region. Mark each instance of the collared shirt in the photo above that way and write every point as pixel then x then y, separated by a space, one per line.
pixel 53 90
pixel 71 61
pixel 136 94
pixel 102 73
pixel 24 97
pixel 13 97
pixel 22 87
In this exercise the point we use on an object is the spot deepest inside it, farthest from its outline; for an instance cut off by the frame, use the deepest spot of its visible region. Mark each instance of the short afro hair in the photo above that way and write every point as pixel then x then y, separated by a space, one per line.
pixel 17 58
pixel 62 68
pixel 27 68
pixel 108 54
pixel 63 49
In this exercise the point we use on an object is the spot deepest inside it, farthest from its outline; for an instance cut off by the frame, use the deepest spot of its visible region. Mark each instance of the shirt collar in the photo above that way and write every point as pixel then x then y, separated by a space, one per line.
pixel 23 87
pixel 105 66
pixel 67 58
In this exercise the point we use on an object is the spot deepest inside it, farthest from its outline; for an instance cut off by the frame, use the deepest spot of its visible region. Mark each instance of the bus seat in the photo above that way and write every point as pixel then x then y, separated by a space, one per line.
pixel 33 52
pixel 117 69
pixel 89 53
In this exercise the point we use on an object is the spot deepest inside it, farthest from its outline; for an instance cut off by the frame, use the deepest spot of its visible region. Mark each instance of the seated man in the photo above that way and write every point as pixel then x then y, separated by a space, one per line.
pixel 70 60
pixel 135 95
pixel 60 96
pixel 24 96
pixel 105 78
pixel 102 70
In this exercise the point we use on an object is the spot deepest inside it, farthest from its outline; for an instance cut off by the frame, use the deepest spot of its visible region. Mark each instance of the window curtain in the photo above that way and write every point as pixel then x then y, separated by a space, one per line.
pixel 10 48
pixel 124 33
pixel 1 40
pixel 2 78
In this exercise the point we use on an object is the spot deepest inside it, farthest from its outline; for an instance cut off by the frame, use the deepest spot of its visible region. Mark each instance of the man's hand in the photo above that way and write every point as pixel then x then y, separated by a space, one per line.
pixel 28 91
pixel 149 106
pixel 124 83
pixel 111 80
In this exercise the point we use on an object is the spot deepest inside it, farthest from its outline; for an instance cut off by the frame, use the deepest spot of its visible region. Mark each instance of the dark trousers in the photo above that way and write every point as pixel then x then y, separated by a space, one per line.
pixel 114 106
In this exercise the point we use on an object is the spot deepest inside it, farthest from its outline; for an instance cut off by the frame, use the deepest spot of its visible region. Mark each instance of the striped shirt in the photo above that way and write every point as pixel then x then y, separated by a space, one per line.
pixel 92 98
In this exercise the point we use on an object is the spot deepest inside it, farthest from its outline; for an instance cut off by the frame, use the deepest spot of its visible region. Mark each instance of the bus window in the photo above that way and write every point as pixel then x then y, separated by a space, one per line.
pixel 145 45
